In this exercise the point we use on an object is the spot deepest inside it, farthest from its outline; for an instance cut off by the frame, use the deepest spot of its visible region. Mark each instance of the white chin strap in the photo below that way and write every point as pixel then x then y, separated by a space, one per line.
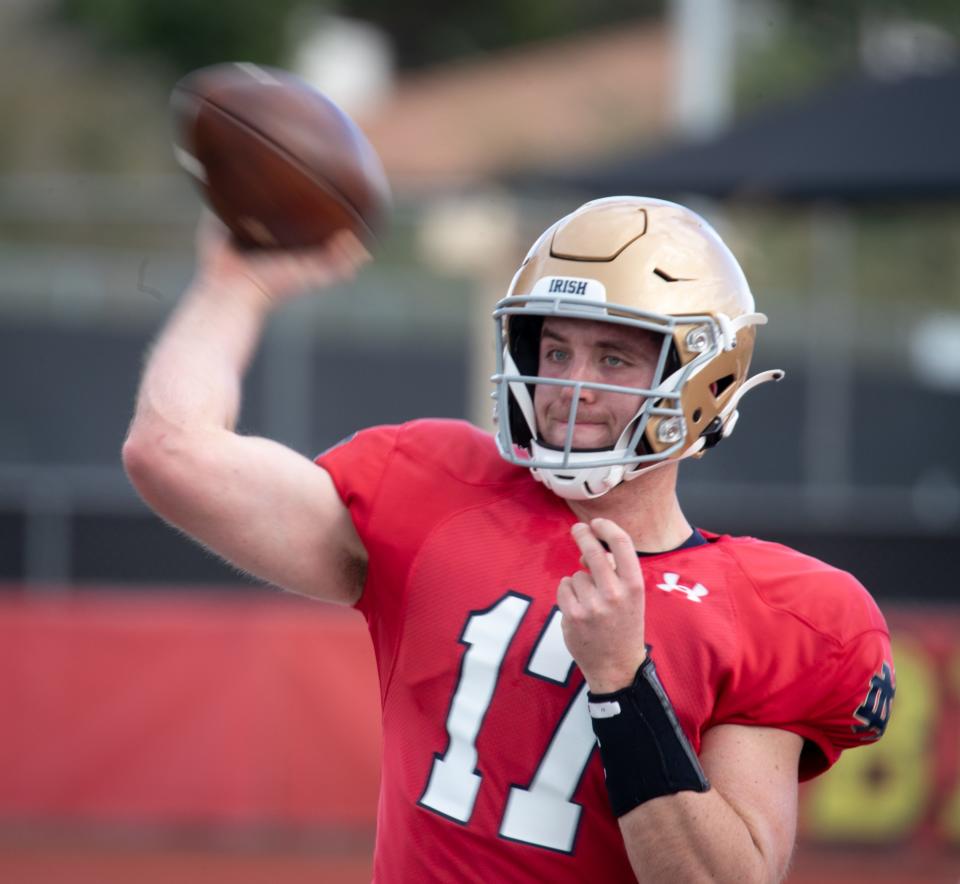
pixel 575 481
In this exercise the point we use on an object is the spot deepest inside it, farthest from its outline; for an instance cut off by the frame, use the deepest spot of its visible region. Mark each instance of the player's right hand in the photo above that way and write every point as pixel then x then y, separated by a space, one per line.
pixel 603 607
pixel 280 275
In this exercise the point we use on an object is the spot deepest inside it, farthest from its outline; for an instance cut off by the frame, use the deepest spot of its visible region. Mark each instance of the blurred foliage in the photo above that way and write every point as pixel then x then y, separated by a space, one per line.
pixel 902 255
pixel 808 41
pixel 187 33
pixel 818 40
pixel 830 13
pixel 909 254
pixel 436 30
pixel 191 33
pixel 74 107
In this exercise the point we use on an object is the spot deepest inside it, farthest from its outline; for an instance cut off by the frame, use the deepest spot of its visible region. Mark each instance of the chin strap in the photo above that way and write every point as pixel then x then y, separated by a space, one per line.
pixel 577 480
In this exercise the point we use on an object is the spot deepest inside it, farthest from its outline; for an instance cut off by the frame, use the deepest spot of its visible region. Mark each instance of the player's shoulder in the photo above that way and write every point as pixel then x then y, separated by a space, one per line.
pixel 458 449
pixel 446 447
pixel 825 598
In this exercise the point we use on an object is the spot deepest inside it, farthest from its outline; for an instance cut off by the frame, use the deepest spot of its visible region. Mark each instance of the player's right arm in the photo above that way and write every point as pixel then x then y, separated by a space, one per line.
pixel 258 504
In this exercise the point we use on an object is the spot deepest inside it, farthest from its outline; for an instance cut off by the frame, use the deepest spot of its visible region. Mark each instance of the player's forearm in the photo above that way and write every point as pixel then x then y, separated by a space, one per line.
pixel 194 373
pixel 693 837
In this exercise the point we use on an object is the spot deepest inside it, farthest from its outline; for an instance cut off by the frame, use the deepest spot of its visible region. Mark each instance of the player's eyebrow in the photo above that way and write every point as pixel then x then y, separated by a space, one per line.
pixel 627 344
pixel 554 336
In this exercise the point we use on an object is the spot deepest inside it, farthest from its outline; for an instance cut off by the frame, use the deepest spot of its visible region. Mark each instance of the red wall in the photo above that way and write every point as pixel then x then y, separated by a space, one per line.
pixel 171 710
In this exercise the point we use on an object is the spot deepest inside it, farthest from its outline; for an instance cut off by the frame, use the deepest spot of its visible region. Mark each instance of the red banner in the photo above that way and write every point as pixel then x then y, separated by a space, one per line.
pixel 173 710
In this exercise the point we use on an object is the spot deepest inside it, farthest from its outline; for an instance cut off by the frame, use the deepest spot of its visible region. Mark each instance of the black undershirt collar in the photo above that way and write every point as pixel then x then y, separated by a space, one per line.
pixel 695 539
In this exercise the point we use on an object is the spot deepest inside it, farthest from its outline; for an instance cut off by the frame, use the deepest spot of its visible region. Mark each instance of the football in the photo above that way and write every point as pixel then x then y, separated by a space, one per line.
pixel 279 163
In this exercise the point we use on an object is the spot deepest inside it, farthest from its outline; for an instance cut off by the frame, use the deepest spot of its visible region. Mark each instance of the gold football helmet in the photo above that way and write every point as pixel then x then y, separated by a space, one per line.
pixel 643 263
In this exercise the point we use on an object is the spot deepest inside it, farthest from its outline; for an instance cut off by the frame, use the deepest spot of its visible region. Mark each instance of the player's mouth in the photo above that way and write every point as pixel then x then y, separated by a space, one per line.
pixel 586 434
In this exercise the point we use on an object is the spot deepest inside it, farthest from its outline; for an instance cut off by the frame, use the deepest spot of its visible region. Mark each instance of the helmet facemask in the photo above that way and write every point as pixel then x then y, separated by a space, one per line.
pixel 655 434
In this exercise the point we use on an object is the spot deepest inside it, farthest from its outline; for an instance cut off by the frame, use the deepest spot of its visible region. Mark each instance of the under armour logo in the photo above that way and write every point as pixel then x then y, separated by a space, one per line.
pixel 671 583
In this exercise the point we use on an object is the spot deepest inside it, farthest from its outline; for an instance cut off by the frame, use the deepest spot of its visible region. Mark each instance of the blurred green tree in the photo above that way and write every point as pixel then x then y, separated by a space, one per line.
pixel 821 39
pixel 188 33
pixel 849 13
pixel 434 31
pixel 191 33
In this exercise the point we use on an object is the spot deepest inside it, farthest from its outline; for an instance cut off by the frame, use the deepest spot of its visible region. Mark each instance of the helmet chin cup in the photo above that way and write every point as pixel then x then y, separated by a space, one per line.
pixel 577 479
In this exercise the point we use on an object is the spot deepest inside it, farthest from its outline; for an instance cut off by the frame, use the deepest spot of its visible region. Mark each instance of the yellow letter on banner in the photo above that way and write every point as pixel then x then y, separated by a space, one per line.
pixel 878 792
pixel 950 818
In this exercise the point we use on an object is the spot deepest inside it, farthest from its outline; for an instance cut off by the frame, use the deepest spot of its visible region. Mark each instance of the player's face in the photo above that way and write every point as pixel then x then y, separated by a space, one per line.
pixel 598 352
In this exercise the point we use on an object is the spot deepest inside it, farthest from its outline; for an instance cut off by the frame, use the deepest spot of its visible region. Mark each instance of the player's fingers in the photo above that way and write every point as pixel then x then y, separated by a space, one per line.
pixel 327 258
pixel 567 599
pixel 345 250
pixel 341 257
pixel 355 250
pixel 621 548
pixel 592 552
pixel 610 559
pixel 285 268
pixel 586 590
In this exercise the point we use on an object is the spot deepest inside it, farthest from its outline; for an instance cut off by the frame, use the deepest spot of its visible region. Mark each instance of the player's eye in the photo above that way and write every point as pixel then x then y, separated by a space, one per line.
pixel 555 355
pixel 612 361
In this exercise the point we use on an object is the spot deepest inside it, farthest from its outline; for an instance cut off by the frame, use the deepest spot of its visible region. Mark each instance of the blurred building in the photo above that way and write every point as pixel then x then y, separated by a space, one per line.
pixel 555 105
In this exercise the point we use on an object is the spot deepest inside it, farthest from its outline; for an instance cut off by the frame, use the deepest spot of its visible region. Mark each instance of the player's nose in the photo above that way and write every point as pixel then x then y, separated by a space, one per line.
pixel 576 389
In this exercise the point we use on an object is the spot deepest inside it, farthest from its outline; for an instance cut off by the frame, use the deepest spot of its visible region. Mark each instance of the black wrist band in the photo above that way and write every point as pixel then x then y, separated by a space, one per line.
pixel 644 750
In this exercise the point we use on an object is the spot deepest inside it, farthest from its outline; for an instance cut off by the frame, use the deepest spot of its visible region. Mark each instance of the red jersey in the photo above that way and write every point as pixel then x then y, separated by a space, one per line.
pixel 489 765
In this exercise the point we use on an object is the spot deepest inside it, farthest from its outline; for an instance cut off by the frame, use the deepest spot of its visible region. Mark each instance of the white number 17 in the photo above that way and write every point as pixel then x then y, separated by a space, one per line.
pixel 542 813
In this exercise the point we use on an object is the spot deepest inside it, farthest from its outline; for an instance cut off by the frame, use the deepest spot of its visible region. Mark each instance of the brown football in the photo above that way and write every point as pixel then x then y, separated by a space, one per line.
pixel 279 163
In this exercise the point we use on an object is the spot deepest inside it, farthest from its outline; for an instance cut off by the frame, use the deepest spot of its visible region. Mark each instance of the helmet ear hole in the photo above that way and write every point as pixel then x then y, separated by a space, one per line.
pixel 721 384
pixel 673 362
pixel 523 344
pixel 523 335
pixel 697 414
